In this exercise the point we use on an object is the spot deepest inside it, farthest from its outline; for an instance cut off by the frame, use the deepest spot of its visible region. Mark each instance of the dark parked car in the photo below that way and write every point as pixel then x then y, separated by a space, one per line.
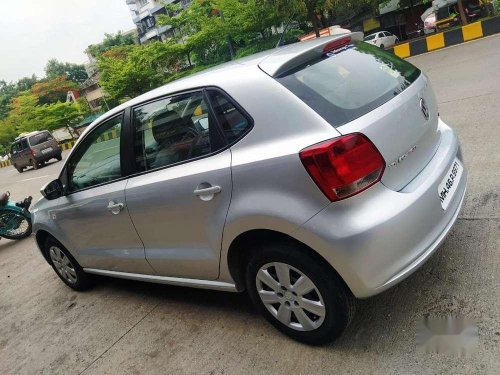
pixel 34 149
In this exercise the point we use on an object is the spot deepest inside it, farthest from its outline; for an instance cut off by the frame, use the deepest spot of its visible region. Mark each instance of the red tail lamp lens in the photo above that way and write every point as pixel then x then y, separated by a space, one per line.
pixel 345 166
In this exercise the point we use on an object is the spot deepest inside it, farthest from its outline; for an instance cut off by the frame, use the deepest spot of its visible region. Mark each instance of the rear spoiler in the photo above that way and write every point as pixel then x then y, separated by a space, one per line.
pixel 292 56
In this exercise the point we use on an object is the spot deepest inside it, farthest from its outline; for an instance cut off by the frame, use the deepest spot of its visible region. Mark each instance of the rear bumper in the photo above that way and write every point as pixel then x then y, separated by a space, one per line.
pixel 379 237
pixel 49 155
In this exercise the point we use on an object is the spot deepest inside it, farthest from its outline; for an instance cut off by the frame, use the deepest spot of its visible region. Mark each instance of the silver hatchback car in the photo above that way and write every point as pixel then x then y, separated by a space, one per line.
pixel 309 176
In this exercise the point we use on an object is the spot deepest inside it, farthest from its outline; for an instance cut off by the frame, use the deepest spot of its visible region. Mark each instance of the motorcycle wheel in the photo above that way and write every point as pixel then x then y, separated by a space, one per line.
pixel 14 225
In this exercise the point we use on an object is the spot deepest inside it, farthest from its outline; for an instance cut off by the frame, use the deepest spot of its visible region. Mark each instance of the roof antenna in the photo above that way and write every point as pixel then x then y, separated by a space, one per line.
pixel 284 30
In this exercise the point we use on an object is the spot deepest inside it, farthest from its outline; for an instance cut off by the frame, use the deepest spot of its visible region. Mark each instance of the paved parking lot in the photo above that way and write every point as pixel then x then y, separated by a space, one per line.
pixel 130 327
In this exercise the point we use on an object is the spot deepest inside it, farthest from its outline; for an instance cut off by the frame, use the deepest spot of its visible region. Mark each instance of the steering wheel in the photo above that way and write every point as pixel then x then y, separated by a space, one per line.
pixel 193 136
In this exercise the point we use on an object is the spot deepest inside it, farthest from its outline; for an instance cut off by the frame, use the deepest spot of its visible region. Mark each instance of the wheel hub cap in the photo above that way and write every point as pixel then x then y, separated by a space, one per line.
pixel 290 296
pixel 63 265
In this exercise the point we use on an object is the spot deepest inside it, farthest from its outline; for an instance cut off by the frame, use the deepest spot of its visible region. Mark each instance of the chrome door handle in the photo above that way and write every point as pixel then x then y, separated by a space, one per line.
pixel 207 193
pixel 115 208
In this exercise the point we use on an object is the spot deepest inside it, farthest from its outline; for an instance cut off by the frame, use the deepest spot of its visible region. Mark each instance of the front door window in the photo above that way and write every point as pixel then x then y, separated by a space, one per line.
pixel 97 158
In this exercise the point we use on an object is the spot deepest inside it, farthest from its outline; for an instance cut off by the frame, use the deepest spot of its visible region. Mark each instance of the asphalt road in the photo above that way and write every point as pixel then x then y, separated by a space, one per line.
pixel 130 327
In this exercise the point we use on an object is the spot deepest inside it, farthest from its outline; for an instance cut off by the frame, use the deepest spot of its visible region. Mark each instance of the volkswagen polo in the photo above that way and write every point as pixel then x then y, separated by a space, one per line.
pixel 309 176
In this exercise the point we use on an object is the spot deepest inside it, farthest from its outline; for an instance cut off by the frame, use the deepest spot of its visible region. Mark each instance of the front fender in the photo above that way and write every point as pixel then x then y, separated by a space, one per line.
pixel 42 222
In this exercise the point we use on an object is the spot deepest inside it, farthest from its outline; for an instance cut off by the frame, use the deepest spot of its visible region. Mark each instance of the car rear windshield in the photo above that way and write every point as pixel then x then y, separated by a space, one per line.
pixel 349 82
pixel 40 138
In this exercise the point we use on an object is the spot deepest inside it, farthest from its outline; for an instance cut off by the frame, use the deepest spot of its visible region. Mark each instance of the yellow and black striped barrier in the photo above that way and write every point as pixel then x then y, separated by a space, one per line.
pixel 67 145
pixel 5 163
pixel 447 38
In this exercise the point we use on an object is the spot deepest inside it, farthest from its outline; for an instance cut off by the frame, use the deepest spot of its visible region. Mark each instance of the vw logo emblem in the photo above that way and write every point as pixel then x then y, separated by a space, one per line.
pixel 424 108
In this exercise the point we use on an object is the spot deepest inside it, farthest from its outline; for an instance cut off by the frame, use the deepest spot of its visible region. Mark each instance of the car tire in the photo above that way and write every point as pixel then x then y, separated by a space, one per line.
pixel 66 267
pixel 382 46
pixel 34 164
pixel 19 169
pixel 288 307
pixel 59 157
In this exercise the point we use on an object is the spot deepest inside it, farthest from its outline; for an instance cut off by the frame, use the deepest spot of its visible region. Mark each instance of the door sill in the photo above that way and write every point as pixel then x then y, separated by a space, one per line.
pixel 192 283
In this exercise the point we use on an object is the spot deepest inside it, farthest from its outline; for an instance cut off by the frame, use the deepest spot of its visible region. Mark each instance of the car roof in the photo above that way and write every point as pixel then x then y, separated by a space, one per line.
pixel 29 134
pixel 271 62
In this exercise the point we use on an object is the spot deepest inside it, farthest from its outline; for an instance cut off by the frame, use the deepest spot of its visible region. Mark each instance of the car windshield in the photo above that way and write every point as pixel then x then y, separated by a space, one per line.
pixel 40 138
pixel 370 37
pixel 349 82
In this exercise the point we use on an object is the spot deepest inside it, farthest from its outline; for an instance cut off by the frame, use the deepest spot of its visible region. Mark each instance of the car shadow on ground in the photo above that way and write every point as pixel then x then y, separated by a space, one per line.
pixel 379 320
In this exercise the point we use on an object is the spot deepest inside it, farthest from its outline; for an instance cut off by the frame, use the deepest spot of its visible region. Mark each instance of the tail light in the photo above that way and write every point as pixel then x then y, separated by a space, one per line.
pixel 345 166
pixel 33 152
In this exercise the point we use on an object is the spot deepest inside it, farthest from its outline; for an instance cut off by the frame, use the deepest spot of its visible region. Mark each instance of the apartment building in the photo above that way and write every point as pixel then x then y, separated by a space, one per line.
pixel 144 14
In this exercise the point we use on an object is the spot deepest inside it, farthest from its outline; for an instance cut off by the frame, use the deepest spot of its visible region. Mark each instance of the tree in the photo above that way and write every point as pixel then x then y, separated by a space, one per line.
pixel 128 71
pixel 313 9
pixel 23 114
pixel 53 90
pixel 9 90
pixel 210 29
pixel 309 8
pixel 110 41
pixel 73 72
pixel 57 115
pixel 26 83
pixel 200 30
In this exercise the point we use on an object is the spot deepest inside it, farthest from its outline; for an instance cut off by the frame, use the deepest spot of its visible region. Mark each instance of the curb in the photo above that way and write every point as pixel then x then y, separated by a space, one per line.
pixel 449 38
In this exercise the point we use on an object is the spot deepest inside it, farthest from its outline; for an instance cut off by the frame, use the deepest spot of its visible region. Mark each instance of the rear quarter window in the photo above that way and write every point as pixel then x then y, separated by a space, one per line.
pixel 347 83
pixel 233 122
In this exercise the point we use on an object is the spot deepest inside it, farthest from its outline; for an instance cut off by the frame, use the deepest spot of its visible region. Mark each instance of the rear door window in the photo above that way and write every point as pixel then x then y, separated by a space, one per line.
pixel 349 82
pixel 173 130
pixel 40 138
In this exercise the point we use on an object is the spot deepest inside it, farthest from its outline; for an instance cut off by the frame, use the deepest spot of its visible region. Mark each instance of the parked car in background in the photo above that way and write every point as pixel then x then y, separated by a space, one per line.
pixel 382 39
pixel 34 149
pixel 290 174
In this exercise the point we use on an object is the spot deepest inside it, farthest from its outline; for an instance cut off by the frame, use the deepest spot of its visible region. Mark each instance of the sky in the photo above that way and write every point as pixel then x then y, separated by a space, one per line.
pixel 34 31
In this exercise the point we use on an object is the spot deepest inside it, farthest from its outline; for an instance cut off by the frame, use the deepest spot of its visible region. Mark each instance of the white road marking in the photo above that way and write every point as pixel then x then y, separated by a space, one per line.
pixel 35 178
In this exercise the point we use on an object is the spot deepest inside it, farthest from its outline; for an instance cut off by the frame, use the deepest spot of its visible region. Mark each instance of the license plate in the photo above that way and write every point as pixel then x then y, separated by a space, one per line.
pixel 46 150
pixel 448 186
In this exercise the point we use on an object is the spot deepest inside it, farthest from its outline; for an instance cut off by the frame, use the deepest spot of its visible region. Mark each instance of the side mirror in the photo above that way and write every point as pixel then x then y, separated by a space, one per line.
pixel 52 190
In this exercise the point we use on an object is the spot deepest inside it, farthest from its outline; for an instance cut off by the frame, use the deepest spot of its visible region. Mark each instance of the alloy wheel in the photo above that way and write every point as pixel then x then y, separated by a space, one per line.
pixel 63 265
pixel 290 296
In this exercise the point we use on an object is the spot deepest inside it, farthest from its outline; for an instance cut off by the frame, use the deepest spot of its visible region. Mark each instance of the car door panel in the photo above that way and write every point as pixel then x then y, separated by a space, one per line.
pixel 99 238
pixel 182 232
pixel 93 214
